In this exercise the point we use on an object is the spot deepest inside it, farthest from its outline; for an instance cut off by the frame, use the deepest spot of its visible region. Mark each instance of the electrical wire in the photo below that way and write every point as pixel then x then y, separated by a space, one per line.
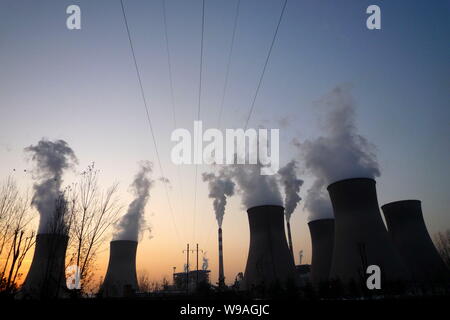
pixel 198 114
pixel 148 115
pixel 265 65
pixel 230 54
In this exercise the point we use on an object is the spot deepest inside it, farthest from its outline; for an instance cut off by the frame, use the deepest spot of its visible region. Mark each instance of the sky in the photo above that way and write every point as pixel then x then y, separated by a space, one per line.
pixel 81 86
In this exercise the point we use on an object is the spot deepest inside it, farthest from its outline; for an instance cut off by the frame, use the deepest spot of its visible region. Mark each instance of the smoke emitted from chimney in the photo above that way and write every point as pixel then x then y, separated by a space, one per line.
pixel 205 263
pixel 133 222
pixel 318 202
pixel 220 187
pixel 256 189
pixel 52 159
pixel 291 184
pixel 341 154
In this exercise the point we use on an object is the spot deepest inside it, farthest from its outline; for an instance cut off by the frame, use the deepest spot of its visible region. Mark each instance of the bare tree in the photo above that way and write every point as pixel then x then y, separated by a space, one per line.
pixel 93 213
pixel 442 242
pixel 16 240
pixel 144 282
pixel 9 194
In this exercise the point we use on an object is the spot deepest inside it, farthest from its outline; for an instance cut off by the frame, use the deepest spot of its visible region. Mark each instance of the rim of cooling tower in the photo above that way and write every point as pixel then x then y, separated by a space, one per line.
pixel 123 241
pixel 401 202
pixel 322 219
pixel 251 209
pixel 349 180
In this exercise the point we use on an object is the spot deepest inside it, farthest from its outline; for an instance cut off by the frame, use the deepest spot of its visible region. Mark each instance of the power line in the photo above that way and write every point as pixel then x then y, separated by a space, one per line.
pixel 169 64
pixel 265 64
pixel 230 54
pixel 229 61
pixel 198 112
pixel 148 115
pixel 201 62
pixel 260 78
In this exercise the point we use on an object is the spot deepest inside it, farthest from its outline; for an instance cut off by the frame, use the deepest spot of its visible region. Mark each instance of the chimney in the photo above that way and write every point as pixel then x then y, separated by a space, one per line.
pixel 360 236
pixel 291 247
pixel 407 229
pixel 269 260
pixel 322 240
pixel 46 277
pixel 121 279
pixel 221 273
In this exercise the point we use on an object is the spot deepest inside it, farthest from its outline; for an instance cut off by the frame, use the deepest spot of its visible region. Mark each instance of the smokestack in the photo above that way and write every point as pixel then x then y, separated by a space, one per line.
pixel 407 229
pixel 322 240
pixel 220 188
pixel 269 260
pixel 291 247
pixel 46 278
pixel 291 184
pixel 361 238
pixel 121 279
pixel 221 273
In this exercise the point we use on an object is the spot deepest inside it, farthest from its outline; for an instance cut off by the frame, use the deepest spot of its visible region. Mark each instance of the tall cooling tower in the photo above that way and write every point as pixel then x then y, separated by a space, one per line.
pixel 221 272
pixel 360 236
pixel 269 260
pixel 46 278
pixel 121 279
pixel 322 240
pixel 407 229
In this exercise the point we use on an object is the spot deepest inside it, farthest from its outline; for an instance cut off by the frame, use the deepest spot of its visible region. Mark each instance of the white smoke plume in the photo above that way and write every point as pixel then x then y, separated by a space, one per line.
pixel 205 263
pixel 133 222
pixel 220 187
pixel 291 184
pixel 341 153
pixel 52 159
pixel 318 202
pixel 255 189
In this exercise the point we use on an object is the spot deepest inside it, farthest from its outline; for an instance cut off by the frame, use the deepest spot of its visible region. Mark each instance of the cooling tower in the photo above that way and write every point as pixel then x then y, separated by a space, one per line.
pixel 269 260
pixel 221 273
pixel 360 236
pixel 322 240
pixel 407 229
pixel 121 279
pixel 46 277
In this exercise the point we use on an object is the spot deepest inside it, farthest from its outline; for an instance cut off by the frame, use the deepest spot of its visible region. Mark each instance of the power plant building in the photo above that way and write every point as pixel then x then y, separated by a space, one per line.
pixel 183 280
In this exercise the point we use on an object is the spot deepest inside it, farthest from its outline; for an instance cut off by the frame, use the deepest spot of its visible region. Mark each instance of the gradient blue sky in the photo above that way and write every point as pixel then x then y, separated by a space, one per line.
pixel 81 86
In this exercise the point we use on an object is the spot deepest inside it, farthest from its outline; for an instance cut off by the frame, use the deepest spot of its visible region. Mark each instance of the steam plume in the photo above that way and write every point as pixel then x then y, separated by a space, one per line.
pixel 51 160
pixel 205 263
pixel 318 202
pixel 220 187
pixel 291 184
pixel 133 222
pixel 341 154
pixel 256 189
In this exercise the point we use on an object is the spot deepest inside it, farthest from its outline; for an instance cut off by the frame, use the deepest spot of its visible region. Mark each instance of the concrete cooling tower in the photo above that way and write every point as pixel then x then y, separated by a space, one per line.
pixel 121 280
pixel 322 241
pixel 269 260
pixel 407 229
pixel 360 236
pixel 46 278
